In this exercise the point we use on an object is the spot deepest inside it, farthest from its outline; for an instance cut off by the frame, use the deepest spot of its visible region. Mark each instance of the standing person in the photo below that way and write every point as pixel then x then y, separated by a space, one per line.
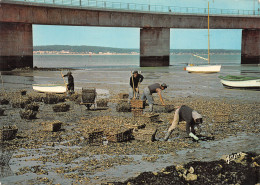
pixel 192 118
pixel 70 82
pixel 135 80
pixel 154 88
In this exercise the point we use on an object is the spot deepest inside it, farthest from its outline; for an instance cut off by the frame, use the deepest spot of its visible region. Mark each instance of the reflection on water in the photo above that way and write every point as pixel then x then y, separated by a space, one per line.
pixel 5 156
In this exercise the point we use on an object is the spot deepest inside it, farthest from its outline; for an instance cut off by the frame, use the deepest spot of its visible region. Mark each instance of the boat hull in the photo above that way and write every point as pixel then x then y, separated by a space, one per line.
pixel 247 84
pixel 49 88
pixel 204 69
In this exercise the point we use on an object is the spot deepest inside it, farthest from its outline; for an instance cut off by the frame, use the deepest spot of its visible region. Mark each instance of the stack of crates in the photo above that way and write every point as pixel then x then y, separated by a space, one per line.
pixel 137 107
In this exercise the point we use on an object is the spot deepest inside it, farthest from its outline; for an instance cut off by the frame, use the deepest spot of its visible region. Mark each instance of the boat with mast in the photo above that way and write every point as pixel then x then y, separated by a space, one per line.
pixel 204 68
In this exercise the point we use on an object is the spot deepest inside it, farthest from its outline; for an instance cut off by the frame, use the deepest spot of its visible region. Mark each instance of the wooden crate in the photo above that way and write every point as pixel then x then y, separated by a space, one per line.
pixel 52 126
pixel 120 136
pixel 222 118
pixel 139 104
pixel 145 134
pixel 8 133
pixel 137 112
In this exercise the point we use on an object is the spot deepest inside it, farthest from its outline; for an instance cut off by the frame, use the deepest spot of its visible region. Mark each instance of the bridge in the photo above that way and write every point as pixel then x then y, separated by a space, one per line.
pixel 154 21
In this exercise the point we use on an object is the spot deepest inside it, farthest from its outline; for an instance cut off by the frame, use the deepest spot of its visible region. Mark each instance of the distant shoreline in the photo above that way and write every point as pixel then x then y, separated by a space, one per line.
pixel 84 54
pixel 127 54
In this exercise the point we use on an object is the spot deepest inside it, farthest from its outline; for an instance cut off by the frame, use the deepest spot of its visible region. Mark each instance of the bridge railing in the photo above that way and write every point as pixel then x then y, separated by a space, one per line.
pixel 143 7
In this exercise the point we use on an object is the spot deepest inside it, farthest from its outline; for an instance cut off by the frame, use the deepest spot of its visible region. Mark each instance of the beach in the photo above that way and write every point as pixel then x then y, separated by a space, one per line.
pixel 231 125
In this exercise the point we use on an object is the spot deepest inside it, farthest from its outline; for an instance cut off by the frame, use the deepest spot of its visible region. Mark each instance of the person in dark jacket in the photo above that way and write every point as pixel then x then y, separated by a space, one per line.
pixel 135 80
pixel 70 82
pixel 192 118
pixel 154 88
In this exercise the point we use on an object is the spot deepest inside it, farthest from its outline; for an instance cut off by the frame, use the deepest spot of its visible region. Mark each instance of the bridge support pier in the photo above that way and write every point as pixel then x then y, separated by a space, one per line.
pixel 154 47
pixel 250 51
pixel 16 43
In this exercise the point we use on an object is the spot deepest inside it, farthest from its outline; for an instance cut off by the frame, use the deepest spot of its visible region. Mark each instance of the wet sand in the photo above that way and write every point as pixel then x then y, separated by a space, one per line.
pixel 231 125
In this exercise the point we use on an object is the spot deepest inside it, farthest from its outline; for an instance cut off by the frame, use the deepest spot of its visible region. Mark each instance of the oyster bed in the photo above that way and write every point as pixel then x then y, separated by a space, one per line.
pixel 66 156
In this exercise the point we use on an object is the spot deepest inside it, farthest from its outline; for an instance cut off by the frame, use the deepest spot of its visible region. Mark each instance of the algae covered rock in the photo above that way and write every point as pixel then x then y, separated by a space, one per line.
pixel 28 114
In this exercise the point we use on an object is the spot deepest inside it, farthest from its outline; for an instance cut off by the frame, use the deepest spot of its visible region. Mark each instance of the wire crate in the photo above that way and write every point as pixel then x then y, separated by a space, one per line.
pixel 120 136
pixel 8 133
pixel 54 126
pixel 139 104
pixel 95 137
pixel 145 134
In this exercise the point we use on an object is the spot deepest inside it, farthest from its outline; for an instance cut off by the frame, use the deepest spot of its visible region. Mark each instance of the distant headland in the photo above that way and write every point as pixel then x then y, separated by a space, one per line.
pixel 99 50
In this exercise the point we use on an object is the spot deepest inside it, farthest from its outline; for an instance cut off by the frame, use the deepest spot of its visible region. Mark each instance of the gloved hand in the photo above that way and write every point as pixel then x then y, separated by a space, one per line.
pixel 193 136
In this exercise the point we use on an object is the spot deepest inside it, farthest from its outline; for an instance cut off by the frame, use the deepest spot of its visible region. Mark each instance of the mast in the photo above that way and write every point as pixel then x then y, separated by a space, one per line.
pixel 208 36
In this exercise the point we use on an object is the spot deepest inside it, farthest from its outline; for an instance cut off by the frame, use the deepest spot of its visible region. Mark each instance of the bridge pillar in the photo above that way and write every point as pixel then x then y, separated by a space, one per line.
pixel 16 46
pixel 250 51
pixel 154 47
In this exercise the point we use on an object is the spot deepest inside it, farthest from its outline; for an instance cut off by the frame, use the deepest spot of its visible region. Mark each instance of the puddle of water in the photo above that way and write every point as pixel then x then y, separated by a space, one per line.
pixel 208 151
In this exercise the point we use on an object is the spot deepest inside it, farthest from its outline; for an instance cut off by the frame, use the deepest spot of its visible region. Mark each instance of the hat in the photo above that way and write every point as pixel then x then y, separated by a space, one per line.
pixel 69 73
pixel 164 85
pixel 135 72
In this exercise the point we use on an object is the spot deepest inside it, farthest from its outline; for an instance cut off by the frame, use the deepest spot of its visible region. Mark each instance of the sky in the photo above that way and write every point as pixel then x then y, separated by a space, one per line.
pixel 130 37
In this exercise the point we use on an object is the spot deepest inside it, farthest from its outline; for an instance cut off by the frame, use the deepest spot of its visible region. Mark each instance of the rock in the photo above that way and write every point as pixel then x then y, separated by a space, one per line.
pixel 191 177
pixel 4 101
pixel 155 173
pixel 191 170
pixel 2 112
pixel 32 106
pixel 163 109
pixel 23 92
pixel 180 168
pixel 28 114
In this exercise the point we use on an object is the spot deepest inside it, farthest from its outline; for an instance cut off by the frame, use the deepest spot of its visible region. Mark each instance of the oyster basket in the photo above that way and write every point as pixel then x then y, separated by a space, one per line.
pixel 52 126
pixel 95 137
pixel 120 136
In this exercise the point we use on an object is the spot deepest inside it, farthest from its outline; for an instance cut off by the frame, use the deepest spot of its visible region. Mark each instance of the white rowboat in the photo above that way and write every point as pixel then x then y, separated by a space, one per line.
pixel 204 69
pixel 50 88
pixel 241 82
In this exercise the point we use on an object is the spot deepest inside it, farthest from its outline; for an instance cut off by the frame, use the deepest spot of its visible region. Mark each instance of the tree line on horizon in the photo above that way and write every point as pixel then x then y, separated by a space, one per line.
pixel 97 49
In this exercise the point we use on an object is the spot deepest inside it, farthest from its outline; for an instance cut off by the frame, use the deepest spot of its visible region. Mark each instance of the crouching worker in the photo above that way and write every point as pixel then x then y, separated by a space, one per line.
pixel 148 91
pixel 192 118
pixel 135 80
pixel 70 82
